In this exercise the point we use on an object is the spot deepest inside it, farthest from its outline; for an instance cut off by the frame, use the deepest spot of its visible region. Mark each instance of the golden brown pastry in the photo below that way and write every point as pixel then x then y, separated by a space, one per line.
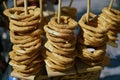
pixel 61 44
pixel 111 20
pixel 92 39
pixel 25 34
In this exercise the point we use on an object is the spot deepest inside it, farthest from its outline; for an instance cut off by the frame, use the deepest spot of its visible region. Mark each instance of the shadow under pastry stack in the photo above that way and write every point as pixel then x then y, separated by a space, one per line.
pixel 25 35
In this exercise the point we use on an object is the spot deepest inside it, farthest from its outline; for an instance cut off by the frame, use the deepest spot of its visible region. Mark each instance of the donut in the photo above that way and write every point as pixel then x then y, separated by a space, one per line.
pixel 58 67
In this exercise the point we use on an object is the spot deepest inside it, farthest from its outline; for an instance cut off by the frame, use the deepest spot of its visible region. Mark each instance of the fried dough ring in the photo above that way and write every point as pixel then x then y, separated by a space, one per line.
pixel 32 70
pixel 68 23
pixel 58 67
pixel 55 50
pixel 32 60
pixel 33 17
pixel 25 75
pixel 21 51
pixel 54 39
pixel 90 28
pixel 92 38
pixel 102 20
pixel 108 19
pixel 94 41
pixel 17 65
pixel 58 64
pixel 112 19
pixel 71 49
pixel 14 56
pixel 113 38
pixel 60 58
pixel 29 61
pixel 98 54
pixel 58 34
pixel 10 12
pixel 25 36
pixel 23 41
pixel 22 23
pixel 36 16
pixel 113 33
pixel 113 13
pixel 91 42
pixel 29 44
pixel 92 35
pixel 69 31
pixel 67 44
pixel 21 29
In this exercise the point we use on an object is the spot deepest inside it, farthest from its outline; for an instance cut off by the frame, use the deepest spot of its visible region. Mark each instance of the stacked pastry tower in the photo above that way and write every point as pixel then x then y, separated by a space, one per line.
pixel 92 40
pixel 60 53
pixel 26 38
pixel 110 18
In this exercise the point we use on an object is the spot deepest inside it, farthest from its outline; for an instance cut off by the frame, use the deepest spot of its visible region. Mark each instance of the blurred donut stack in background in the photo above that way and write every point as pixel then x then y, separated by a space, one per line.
pixel 111 20
pixel 25 35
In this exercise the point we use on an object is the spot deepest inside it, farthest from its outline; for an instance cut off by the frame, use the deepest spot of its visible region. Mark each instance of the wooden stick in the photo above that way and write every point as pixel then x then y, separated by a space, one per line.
pixel 70 3
pixel 88 10
pixel 15 3
pixel 41 8
pixel 4 4
pixel 59 11
pixel 25 7
pixel 111 4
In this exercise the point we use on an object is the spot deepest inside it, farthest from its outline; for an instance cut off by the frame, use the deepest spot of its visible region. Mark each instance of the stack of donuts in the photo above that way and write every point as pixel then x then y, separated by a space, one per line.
pixel 92 40
pixel 60 46
pixel 111 20
pixel 25 35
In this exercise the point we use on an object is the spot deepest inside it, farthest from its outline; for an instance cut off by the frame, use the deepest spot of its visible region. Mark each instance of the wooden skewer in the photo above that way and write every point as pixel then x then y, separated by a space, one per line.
pixel 25 7
pixel 41 8
pixel 4 4
pixel 70 3
pixel 111 4
pixel 88 10
pixel 15 3
pixel 59 11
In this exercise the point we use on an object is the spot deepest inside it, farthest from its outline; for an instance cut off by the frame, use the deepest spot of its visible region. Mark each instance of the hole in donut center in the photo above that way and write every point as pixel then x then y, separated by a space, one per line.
pixel 64 21
pixel 91 49
pixel 93 22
